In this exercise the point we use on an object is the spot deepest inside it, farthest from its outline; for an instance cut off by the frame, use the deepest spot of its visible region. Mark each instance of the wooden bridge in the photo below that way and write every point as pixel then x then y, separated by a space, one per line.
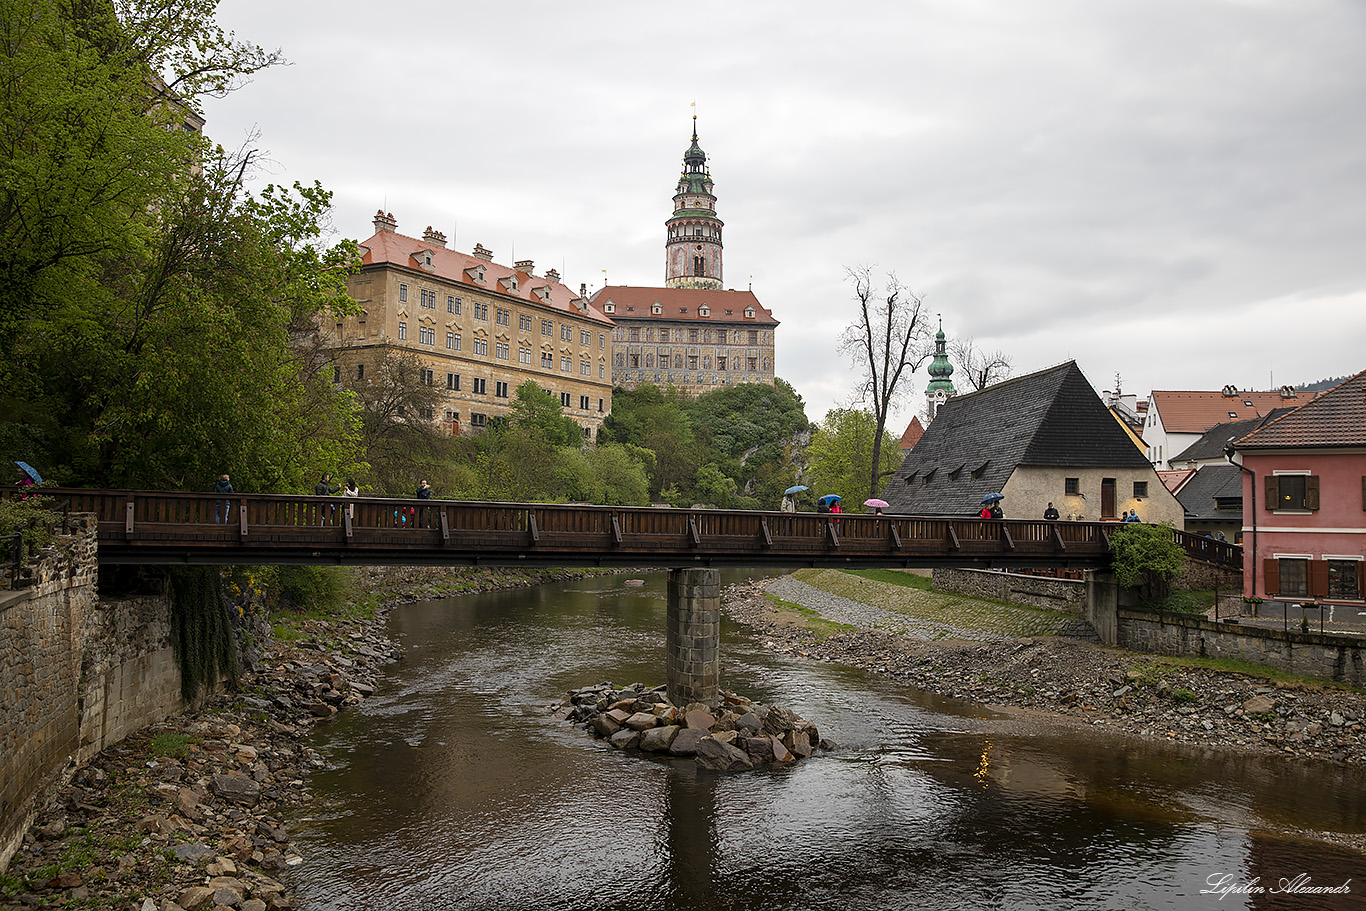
pixel 204 528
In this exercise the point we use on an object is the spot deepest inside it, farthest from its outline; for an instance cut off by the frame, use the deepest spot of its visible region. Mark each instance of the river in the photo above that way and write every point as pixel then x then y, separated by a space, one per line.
pixel 455 788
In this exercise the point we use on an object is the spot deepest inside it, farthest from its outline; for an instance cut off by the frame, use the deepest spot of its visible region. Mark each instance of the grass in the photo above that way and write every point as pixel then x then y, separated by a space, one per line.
pixel 910 596
pixel 814 621
pixel 1155 667
pixel 893 577
pixel 171 744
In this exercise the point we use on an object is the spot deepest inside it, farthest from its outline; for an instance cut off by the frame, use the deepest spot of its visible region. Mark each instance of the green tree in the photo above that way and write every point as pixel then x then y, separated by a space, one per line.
pixel 1147 556
pixel 841 453
pixel 539 409
pixel 158 318
pixel 656 419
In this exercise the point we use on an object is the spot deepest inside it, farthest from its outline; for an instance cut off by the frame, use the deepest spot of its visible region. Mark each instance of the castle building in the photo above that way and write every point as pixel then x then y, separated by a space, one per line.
pixel 940 389
pixel 692 333
pixel 465 317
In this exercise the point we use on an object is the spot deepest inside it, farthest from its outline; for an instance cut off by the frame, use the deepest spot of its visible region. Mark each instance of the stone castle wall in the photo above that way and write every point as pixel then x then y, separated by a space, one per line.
pixel 76 674
pixel 1014 588
pixel 1326 655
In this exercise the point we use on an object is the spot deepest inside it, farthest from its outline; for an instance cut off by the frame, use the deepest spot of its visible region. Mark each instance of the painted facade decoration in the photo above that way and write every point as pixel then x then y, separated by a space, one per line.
pixel 692 333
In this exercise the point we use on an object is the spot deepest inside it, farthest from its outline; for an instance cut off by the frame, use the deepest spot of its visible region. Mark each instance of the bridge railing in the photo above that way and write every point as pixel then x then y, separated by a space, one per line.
pixel 152 523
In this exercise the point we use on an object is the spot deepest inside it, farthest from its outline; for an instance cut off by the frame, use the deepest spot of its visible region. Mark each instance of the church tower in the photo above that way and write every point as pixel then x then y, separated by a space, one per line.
pixel 693 246
pixel 940 388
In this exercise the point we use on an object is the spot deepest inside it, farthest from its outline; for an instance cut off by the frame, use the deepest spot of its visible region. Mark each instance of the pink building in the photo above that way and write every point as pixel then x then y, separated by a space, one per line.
pixel 1304 500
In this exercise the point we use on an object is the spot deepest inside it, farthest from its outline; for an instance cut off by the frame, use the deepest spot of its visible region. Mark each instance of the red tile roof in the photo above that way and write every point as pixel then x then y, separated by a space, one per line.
pixel 681 304
pixel 453 266
pixel 1336 418
pixel 1196 412
pixel 1174 480
pixel 914 431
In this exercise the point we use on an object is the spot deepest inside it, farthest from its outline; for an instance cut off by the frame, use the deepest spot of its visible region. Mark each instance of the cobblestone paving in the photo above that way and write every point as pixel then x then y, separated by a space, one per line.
pixel 845 598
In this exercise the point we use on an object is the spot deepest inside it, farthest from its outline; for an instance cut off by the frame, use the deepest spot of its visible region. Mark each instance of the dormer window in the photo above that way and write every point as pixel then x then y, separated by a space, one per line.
pixel 704 310
pixel 749 313
pixel 656 308
pixel 479 274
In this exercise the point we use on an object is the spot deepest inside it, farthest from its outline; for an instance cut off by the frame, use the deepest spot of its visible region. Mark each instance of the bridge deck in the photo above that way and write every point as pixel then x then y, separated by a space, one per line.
pixel 158 527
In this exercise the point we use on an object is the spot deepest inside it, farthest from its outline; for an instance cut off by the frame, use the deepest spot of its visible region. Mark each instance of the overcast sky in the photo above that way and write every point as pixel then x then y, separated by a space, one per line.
pixel 1170 190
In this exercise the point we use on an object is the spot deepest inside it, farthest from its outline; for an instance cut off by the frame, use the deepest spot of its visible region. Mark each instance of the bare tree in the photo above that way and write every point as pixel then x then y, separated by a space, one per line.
pixel 978 368
pixel 887 342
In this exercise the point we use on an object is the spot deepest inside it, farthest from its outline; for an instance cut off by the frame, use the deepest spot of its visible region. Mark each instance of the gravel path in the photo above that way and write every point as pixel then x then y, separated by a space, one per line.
pixel 839 609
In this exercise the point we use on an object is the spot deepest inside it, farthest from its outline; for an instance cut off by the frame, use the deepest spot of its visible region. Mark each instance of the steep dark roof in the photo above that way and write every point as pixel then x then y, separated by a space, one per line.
pixel 1211 444
pixel 1336 418
pixel 1201 494
pixel 976 441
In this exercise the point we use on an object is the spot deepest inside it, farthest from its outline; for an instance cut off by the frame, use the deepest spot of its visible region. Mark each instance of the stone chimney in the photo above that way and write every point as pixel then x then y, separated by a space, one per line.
pixel 434 237
pixel 481 253
pixel 1288 392
pixel 583 290
pixel 553 275
pixel 525 265
pixel 385 222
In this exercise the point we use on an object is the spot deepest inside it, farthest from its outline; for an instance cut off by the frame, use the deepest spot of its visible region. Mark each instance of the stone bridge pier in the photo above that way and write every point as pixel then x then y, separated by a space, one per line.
pixel 693 637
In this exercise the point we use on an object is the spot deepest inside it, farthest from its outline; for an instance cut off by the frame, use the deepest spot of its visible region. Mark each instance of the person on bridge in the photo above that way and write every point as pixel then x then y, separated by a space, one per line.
pixel 324 488
pixel 223 485
pixel 351 490
pixel 1051 512
pixel 996 511
pixel 1132 516
pixel 424 492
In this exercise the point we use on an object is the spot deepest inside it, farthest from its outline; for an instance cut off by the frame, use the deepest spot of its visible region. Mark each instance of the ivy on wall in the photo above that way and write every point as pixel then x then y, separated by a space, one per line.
pixel 202 629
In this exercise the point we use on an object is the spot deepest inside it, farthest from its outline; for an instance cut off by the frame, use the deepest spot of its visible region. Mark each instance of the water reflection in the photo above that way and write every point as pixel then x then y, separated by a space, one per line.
pixel 451 790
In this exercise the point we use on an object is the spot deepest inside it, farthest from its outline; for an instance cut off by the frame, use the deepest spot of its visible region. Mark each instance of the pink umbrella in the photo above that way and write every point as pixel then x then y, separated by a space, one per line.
pixel 876 503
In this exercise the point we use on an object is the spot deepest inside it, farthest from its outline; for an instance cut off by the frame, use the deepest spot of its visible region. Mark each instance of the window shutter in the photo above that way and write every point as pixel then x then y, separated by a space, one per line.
pixel 1273 492
pixel 1311 492
pixel 1318 578
pixel 1361 578
pixel 1271 576
pixel 1363 492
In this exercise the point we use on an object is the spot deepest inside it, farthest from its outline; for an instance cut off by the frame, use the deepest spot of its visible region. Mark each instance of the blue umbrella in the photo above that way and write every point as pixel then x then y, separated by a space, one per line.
pixel 830 498
pixel 30 471
pixel 795 489
pixel 993 498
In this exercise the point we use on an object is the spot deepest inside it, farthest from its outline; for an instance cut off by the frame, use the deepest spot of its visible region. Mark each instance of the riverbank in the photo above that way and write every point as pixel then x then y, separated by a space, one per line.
pixel 1056 681
pixel 196 812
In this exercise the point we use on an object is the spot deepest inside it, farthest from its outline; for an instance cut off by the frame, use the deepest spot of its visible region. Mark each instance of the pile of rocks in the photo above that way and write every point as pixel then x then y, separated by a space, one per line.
pixel 194 812
pixel 736 736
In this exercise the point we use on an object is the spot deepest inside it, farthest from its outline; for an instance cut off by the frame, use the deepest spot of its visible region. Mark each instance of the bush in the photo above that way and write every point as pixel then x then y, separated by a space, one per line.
pixel 312 588
pixel 33 519
pixel 1147 556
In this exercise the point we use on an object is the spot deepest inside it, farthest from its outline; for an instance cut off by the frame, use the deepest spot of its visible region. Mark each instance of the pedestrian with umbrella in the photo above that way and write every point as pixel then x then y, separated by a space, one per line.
pixel 28 478
pixel 991 506
pixel 789 503
pixel 878 505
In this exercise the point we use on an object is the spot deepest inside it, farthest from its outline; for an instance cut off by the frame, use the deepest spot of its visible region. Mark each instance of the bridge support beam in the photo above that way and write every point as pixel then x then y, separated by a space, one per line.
pixel 693 637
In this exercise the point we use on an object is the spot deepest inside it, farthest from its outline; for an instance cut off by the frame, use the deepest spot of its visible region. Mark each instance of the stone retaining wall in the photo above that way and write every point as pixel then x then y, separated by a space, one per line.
pixel 76 674
pixel 1035 591
pixel 1326 655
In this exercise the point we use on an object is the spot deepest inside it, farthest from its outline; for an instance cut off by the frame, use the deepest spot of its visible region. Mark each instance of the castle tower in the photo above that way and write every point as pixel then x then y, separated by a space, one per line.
pixel 692 250
pixel 940 388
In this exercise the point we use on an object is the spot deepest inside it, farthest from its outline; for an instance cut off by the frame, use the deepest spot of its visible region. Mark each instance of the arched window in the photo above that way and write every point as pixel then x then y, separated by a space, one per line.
pixel 698 266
